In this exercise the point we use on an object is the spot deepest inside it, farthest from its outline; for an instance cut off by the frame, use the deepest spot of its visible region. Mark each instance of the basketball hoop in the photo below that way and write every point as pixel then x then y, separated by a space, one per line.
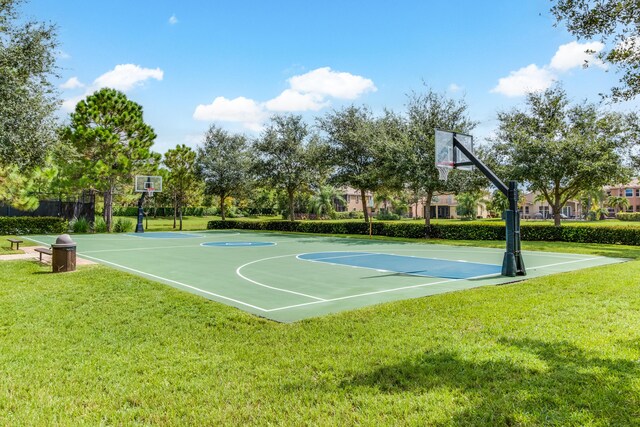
pixel 443 172
pixel 150 191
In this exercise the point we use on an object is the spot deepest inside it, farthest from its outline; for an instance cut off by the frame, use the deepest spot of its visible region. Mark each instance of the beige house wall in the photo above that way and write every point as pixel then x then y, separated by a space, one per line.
pixel 630 191
pixel 444 205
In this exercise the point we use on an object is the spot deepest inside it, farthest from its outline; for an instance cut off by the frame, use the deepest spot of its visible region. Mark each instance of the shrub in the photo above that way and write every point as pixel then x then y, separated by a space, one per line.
pixel 123 225
pixel 79 225
pixel 99 226
pixel 387 216
pixel 458 231
pixel 628 216
pixel 33 225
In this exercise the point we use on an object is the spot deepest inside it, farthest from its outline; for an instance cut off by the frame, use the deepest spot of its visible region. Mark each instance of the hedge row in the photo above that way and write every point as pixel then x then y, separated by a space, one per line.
pixel 32 225
pixel 462 231
pixel 628 216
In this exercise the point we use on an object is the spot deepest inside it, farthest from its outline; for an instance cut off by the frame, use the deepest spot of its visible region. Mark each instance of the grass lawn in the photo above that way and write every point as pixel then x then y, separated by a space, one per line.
pixel 5 245
pixel 99 346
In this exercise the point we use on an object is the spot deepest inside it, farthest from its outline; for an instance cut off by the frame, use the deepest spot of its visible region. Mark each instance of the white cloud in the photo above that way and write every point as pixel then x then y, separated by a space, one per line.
pixel 528 79
pixel 125 77
pixel 454 88
pixel 324 81
pixel 241 109
pixel 307 92
pixel 533 78
pixel 70 103
pixel 575 54
pixel 291 100
pixel 72 83
pixel 173 20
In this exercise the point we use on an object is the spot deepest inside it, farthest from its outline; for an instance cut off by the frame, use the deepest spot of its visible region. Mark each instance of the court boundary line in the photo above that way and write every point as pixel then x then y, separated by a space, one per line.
pixel 318 300
pixel 165 279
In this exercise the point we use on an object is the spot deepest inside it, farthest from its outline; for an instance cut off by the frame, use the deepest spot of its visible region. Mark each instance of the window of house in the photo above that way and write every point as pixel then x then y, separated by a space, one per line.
pixel 638 208
pixel 608 192
pixel 526 210
pixel 628 192
pixel 637 192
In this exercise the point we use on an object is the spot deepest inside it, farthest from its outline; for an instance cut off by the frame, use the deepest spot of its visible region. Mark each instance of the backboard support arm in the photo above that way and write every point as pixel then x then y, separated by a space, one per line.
pixel 512 263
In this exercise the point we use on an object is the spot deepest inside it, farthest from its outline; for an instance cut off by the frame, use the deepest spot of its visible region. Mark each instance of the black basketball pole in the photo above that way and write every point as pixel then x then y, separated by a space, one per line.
pixel 512 263
pixel 139 225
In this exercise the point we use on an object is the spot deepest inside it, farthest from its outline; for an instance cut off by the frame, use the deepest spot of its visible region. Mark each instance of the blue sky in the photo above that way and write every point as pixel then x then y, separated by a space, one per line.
pixel 233 63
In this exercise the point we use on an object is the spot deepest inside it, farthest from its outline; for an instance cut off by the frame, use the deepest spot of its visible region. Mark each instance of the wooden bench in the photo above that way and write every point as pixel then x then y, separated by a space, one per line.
pixel 46 251
pixel 15 242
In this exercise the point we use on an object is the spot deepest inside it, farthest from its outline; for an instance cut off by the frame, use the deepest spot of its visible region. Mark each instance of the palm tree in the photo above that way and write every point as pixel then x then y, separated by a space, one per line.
pixel 619 202
pixel 592 202
pixel 323 201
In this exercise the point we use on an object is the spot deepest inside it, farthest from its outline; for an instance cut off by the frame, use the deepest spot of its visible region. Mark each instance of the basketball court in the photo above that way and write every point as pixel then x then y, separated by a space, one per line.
pixel 289 277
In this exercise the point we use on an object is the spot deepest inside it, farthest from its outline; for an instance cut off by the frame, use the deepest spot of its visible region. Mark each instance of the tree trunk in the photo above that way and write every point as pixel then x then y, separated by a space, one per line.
pixel 175 213
pixel 364 206
pixel 180 213
pixel 556 215
pixel 108 208
pixel 427 208
pixel 291 198
pixel 222 207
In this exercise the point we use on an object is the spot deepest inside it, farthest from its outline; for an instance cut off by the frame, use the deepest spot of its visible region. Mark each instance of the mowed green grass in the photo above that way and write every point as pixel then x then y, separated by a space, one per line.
pixel 99 346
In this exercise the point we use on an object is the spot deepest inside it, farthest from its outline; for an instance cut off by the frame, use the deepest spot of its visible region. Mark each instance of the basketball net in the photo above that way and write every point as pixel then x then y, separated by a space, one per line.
pixel 443 172
pixel 150 191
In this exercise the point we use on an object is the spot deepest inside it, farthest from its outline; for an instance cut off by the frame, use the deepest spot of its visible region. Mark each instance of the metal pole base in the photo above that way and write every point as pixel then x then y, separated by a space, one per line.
pixel 139 226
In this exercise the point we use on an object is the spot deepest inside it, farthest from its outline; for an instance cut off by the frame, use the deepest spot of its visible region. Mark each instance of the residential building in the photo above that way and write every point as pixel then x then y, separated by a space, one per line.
pixel 535 207
pixel 630 191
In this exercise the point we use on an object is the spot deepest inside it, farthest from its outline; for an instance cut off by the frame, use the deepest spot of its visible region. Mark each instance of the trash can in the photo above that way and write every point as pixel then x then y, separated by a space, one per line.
pixel 64 254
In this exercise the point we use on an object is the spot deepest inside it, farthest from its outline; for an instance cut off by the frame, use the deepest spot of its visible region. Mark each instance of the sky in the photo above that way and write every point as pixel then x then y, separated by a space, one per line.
pixel 194 63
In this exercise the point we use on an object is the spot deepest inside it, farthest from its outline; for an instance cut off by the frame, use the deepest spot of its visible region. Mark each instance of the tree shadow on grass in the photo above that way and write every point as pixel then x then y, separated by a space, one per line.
pixel 546 383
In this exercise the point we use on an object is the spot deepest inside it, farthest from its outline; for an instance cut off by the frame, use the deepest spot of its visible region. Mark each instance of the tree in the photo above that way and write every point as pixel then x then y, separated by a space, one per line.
pixel 498 203
pixel 282 158
pixel 27 97
pixel 20 190
pixel 468 204
pixel 559 150
pixel 354 139
pixel 610 20
pixel 323 202
pixel 111 143
pixel 223 163
pixel 182 182
pixel 427 112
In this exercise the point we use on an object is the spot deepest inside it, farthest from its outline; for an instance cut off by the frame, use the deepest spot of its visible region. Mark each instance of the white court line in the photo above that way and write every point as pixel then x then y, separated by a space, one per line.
pixel 422 285
pixel 272 287
pixel 358 253
pixel 384 291
pixel 175 282
pixel 562 263
pixel 164 279
pixel 322 261
pixel 319 300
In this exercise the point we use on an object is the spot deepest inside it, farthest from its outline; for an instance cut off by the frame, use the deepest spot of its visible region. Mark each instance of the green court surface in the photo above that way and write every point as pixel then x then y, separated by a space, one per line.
pixel 288 277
